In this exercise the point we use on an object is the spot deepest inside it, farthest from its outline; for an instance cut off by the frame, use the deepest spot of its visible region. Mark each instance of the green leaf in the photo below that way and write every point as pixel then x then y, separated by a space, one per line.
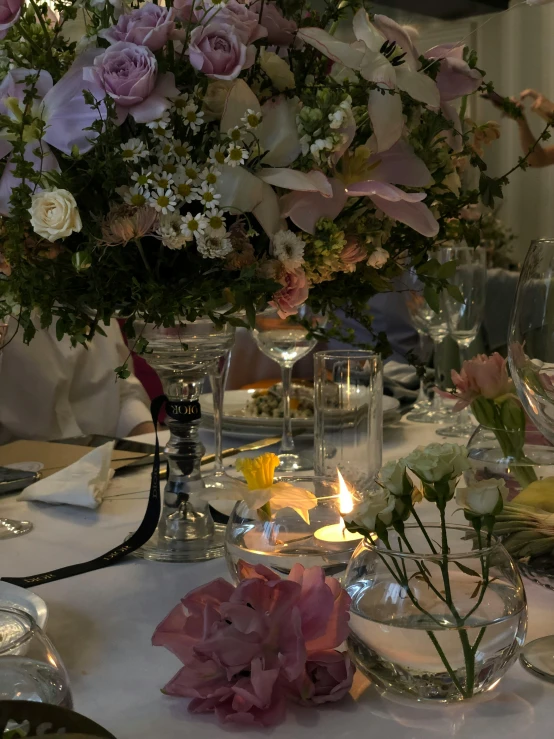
pixel 123 371
pixel 455 292
pixel 447 270
pixel 432 298
pixel 467 570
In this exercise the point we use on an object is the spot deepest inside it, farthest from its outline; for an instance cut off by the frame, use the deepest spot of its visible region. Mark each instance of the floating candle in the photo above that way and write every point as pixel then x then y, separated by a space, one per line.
pixel 337 533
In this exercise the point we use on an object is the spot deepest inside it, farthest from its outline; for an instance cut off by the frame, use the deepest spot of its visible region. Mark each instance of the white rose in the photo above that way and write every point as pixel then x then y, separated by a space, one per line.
pixel 54 214
pixel 379 503
pixel 378 258
pixel 437 461
pixel 482 497
pixel 277 70
pixel 215 97
pixel 392 475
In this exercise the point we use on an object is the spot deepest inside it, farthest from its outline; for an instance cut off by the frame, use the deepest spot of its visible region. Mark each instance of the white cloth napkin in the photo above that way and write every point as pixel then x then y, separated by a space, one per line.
pixel 83 483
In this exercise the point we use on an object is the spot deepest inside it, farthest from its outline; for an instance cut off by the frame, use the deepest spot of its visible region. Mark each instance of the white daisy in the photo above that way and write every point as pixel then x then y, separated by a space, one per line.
pixel 135 196
pixel 210 175
pixel 236 155
pixel 164 150
pixel 213 247
pixel 208 196
pixel 162 178
pixel 191 169
pixel 183 186
pixel 142 179
pixel 133 150
pixel 181 102
pixel 169 230
pixel 217 155
pixel 192 225
pixel 235 134
pixel 163 201
pixel 251 119
pixel 161 128
pixel 192 116
pixel 217 228
pixel 181 149
pixel 288 248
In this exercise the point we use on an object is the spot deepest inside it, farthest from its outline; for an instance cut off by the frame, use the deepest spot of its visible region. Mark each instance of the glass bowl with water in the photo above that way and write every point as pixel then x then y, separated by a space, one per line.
pixel 435 627
pixel 287 539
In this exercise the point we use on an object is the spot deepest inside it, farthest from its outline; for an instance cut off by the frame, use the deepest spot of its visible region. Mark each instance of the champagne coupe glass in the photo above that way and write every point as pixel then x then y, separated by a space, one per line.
pixel 531 358
pixel 286 340
pixel 218 380
pixel 427 322
pixel 9 528
pixel 464 318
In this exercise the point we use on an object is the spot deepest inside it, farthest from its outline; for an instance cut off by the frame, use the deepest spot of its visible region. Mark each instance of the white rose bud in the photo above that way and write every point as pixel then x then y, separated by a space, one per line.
pixel 54 214
pixel 379 503
pixel 482 497
pixel 392 476
pixel 378 258
pixel 277 70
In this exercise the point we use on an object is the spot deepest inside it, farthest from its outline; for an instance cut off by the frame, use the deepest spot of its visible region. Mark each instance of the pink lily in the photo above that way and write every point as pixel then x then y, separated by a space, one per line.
pixel 390 73
pixel 252 192
pixel 66 114
pixel 363 174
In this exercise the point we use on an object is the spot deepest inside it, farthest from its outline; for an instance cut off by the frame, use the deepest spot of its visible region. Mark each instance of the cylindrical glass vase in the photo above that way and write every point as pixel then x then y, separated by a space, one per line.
pixel 183 355
pixel 435 627
pixel 348 410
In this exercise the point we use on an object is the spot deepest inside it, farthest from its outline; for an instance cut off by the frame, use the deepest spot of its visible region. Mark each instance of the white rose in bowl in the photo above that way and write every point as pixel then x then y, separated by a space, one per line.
pixel 379 503
pixel 54 214
pixel 437 461
pixel 482 497
pixel 392 475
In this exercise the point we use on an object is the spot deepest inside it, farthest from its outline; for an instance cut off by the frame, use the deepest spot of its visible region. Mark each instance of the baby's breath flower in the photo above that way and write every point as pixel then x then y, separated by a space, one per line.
pixel 163 201
pixel 193 225
pixel 251 119
pixel 236 155
pixel 133 150
pixel 208 196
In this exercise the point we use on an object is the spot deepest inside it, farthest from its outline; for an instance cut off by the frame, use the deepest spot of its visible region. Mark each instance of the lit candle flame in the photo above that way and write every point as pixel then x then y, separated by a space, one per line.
pixel 346 501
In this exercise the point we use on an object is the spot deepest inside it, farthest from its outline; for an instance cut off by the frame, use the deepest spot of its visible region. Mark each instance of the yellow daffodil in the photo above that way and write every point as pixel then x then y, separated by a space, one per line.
pixel 259 471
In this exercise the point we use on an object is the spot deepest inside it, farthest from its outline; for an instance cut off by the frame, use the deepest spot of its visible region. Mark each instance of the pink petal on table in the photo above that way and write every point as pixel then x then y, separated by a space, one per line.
pixel 305 210
pixel 214 593
pixel 231 648
pixel 258 690
pixel 278 132
pixel 351 55
pixel 395 32
pixel 418 86
pixel 413 214
pixel 200 679
pixel 292 645
pixel 240 98
pixel 316 600
pixel 387 118
pixel 399 165
pixel 292 179
pixel 273 598
pixel 336 630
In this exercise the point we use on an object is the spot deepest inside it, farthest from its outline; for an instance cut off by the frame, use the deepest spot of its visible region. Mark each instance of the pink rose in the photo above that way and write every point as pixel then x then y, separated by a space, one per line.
pixel 151 26
pixel 128 73
pixel 292 295
pixel 188 10
pixel 328 677
pixel 280 31
pixel 455 77
pixel 10 10
pixel 482 376
pixel 218 50
pixel 242 19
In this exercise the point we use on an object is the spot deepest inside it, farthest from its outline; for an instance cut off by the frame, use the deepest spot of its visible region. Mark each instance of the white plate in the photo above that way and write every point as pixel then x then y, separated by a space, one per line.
pixel 235 422
pixel 25 600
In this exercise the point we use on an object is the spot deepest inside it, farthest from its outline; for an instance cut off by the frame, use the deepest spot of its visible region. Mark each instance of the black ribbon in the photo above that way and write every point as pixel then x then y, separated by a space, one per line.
pixel 149 522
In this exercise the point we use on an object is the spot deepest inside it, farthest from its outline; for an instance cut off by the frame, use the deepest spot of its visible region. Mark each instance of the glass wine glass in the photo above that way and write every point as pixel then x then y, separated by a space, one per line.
pixel 531 359
pixel 286 340
pixel 218 380
pixel 464 318
pixel 429 323
pixel 9 528
pixel 30 667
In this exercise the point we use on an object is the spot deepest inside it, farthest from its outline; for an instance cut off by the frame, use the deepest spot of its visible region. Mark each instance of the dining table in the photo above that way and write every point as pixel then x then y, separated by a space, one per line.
pixel 102 624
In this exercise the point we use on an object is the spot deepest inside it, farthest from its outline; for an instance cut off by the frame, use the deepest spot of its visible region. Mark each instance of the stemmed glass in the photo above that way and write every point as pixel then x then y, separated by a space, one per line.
pixel 9 528
pixel 531 358
pixel 464 318
pixel 427 322
pixel 286 340
pixel 218 380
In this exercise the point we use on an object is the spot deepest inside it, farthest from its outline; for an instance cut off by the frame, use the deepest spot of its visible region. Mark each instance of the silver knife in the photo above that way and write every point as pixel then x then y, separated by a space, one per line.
pixel 261 444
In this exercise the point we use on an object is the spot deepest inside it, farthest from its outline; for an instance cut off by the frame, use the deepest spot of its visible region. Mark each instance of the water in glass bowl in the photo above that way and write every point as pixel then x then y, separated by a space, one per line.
pixel 22 678
pixel 286 345
pixel 396 646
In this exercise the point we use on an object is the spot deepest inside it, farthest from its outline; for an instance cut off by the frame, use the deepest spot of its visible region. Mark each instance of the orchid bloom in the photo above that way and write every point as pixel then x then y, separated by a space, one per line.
pixel 374 175
pixel 377 60
pixel 247 191
pixel 61 106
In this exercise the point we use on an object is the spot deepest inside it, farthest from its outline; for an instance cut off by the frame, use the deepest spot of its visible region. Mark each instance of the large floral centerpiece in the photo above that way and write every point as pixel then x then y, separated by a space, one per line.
pixel 166 161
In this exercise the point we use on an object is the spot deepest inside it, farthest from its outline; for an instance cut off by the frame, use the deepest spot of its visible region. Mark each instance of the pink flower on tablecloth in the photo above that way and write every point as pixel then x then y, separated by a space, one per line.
pixel 246 649
pixel 292 295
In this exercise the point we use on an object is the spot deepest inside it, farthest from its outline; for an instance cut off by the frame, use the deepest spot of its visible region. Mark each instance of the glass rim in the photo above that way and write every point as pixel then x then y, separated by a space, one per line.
pixel 401 554
pixel 341 353
pixel 311 478
pixel 33 627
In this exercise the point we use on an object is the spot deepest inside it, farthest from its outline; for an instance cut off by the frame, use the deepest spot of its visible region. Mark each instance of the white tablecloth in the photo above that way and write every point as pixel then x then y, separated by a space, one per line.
pixel 102 623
